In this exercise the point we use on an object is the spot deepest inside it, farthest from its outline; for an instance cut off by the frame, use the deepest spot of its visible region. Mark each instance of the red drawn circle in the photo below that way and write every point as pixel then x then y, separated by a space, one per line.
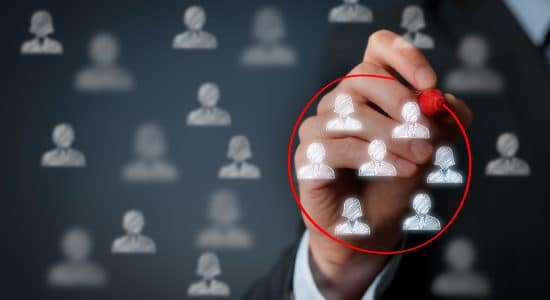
pixel 328 234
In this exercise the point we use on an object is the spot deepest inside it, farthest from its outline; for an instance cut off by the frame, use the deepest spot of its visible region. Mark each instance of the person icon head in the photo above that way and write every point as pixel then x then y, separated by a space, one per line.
pixel 413 18
pixel 194 18
pixel 410 112
pixel 208 94
pixel 316 153
pixel 377 150
pixel 422 204
pixel 224 208
pixel 150 143
pixel 104 49
pixel 352 209
pixel 76 245
pixel 63 136
pixel 343 105
pixel 460 255
pixel 473 51
pixel 444 157
pixel 133 222
pixel 208 266
pixel 268 27
pixel 239 148
pixel 507 145
pixel 41 24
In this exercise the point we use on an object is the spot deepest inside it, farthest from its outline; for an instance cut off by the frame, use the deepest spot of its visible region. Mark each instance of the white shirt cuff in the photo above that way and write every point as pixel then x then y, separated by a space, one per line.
pixel 304 287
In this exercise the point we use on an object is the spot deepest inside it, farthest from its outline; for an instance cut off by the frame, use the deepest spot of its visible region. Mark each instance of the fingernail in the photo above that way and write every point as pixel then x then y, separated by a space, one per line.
pixel 421 150
pixel 404 166
pixel 424 76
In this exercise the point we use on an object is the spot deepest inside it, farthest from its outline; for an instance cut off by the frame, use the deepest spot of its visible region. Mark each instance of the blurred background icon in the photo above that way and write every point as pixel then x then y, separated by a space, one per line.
pixel 474 76
pixel 104 74
pixel 150 164
pixel 460 280
pixel 76 270
pixel 224 230
pixel 268 48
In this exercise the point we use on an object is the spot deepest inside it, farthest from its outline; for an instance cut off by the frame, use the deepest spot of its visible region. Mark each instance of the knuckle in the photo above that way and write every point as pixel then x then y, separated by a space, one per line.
pixel 368 68
pixel 305 128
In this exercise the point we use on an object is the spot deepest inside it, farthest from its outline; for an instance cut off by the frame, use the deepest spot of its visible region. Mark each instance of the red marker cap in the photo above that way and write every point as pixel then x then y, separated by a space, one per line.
pixel 431 101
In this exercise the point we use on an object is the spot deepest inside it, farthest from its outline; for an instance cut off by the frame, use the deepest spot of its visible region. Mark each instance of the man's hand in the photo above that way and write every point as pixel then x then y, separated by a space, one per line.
pixel 339 271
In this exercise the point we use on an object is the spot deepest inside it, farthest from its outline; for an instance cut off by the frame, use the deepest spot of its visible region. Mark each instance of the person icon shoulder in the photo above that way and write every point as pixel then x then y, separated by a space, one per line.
pixel 350 12
pixel 195 40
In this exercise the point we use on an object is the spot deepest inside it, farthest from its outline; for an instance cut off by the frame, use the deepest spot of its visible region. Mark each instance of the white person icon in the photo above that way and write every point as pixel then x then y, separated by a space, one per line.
pixel 208 114
pixel 343 106
pixel 133 242
pixel 208 267
pixel 76 270
pixel 507 164
pixel 411 129
pixel 444 159
pixel 63 155
pixel 422 221
pixel 41 26
pixel 377 166
pixel 239 151
pixel 194 37
pixel 413 21
pixel 104 74
pixel 351 11
pixel 353 225
pixel 316 169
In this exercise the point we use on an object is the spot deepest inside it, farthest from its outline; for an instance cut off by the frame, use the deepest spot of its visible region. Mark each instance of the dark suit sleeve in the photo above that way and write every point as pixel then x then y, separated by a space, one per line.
pixel 277 284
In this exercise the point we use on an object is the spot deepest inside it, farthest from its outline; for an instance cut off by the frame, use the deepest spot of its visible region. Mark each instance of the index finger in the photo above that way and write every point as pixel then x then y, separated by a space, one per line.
pixel 394 53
